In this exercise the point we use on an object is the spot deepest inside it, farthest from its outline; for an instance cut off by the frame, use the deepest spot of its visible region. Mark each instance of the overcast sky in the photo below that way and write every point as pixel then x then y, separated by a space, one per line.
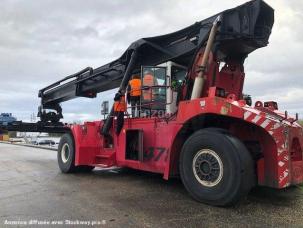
pixel 44 41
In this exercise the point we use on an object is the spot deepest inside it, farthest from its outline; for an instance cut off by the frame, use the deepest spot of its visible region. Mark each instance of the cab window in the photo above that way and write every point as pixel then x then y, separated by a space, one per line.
pixel 177 76
pixel 153 94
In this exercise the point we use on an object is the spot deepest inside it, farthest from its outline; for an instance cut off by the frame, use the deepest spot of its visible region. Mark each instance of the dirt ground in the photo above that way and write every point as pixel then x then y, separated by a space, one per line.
pixel 32 188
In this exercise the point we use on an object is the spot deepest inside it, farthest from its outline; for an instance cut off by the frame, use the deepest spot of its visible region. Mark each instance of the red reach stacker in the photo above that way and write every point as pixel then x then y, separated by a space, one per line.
pixel 199 124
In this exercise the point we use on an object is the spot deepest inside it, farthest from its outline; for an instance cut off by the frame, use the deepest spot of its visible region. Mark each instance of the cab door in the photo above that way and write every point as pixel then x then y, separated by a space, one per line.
pixel 153 96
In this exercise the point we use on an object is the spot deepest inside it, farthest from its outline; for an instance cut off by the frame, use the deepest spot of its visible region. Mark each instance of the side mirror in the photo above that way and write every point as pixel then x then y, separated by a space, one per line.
pixel 104 108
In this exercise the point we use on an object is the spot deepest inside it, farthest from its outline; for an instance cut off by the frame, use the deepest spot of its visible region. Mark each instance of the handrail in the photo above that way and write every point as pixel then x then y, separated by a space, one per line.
pixel 153 102
pixel 87 69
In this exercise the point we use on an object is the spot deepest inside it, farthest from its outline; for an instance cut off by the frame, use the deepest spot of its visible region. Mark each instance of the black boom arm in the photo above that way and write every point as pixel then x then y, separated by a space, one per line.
pixel 243 29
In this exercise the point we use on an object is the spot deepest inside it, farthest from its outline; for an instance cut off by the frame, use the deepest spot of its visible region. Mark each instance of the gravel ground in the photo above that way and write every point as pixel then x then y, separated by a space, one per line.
pixel 32 188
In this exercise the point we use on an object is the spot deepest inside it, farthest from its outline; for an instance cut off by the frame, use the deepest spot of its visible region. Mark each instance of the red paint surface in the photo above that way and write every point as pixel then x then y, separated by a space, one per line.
pixel 281 162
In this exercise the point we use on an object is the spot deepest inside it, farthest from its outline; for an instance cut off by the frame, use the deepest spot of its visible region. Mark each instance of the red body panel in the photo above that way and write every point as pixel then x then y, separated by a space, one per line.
pixel 280 138
pixel 279 167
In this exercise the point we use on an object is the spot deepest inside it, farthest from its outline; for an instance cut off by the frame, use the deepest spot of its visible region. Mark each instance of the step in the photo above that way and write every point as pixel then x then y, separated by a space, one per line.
pixel 104 156
pixel 102 165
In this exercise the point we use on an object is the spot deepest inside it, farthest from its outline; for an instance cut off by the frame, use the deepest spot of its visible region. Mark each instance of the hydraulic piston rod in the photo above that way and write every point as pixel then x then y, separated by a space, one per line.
pixel 199 80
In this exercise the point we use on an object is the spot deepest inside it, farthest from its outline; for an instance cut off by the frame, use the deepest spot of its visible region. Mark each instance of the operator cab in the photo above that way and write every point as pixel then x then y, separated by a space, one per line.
pixel 160 87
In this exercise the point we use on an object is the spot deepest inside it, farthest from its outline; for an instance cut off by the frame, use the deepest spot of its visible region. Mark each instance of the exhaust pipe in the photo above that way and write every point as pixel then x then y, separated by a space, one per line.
pixel 199 80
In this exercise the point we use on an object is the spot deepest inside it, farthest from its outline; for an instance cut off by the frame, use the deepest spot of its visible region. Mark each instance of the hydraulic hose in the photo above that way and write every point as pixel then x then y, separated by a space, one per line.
pixel 109 120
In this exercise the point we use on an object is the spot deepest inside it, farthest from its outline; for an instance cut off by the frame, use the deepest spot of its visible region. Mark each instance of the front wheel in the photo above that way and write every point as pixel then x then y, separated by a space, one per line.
pixel 66 156
pixel 216 168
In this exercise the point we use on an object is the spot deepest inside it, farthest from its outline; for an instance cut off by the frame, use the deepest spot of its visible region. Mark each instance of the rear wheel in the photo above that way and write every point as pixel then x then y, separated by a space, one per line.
pixel 216 168
pixel 66 156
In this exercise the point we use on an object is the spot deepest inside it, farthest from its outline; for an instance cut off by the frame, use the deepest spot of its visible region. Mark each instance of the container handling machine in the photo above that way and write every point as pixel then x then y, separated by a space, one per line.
pixel 199 125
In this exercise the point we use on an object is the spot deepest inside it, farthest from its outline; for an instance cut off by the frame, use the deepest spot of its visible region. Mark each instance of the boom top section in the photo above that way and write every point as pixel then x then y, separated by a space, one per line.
pixel 243 30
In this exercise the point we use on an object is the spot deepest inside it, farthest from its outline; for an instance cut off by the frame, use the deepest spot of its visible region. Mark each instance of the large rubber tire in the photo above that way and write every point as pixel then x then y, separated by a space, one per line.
pixel 216 168
pixel 66 156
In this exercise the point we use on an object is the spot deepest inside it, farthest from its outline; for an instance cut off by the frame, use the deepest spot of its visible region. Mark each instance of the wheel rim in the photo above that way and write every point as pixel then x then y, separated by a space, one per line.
pixel 65 153
pixel 207 167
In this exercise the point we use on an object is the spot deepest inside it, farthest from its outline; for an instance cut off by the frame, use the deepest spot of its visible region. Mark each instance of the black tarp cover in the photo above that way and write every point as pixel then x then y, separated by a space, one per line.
pixel 243 30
